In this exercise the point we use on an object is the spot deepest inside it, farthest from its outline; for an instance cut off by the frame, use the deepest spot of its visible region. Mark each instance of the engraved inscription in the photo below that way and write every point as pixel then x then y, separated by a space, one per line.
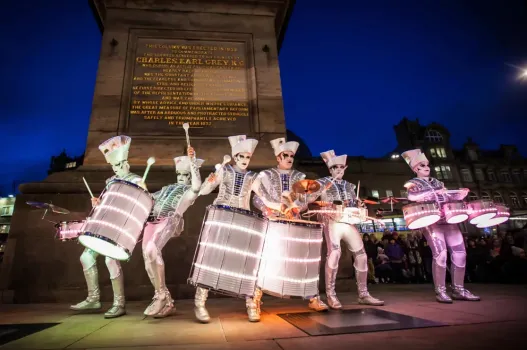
pixel 203 83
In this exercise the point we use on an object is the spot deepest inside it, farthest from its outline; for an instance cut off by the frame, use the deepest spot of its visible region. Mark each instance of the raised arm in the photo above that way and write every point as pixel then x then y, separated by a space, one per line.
pixel 193 192
pixel 211 182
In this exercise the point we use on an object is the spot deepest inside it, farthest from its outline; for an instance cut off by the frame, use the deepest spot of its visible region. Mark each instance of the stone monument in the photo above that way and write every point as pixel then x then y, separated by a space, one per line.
pixel 210 63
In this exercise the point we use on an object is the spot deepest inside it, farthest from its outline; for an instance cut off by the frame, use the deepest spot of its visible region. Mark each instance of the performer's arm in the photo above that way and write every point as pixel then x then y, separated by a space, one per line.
pixel 262 196
pixel 417 195
pixel 193 192
pixel 457 196
pixel 211 182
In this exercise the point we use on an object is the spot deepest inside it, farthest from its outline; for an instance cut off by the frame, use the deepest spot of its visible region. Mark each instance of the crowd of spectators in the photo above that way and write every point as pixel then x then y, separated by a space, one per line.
pixel 498 258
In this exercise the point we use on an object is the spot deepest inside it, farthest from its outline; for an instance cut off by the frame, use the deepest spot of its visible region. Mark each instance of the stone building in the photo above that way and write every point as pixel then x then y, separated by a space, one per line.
pixel 7 206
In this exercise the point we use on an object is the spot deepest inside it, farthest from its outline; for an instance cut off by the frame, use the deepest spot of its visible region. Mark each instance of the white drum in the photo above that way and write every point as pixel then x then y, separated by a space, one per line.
pixel 229 251
pixel 353 216
pixel 115 225
pixel 455 212
pixel 290 264
pixel 68 230
pixel 419 215
pixel 481 210
pixel 502 215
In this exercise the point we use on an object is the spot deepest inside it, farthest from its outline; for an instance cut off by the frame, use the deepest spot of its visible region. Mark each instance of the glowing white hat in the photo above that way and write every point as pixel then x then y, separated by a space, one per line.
pixel 183 164
pixel 241 144
pixel 414 157
pixel 331 159
pixel 279 146
pixel 115 150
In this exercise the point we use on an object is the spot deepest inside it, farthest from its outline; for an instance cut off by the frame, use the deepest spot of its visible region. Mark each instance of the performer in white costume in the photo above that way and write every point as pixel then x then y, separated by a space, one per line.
pixel 115 151
pixel 274 196
pixel 341 190
pixel 236 185
pixel 171 202
pixel 440 236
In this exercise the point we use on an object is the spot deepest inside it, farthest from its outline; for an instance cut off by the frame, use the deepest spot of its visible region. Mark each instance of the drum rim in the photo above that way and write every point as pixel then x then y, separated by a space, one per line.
pixel 109 240
pixel 419 203
pixel 132 185
pixel 313 224
pixel 236 210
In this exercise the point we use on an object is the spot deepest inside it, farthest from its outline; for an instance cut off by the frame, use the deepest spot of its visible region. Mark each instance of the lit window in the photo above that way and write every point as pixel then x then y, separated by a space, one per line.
pixel 515 202
pixel 375 193
pixel 404 194
pixel 491 175
pixel 434 136
pixel 438 152
pixel 466 175
pixel 485 195
pixel 5 211
pixel 506 176
pixel 498 198
pixel 472 196
pixel 479 175
pixel 443 172
pixel 389 193
pixel 524 197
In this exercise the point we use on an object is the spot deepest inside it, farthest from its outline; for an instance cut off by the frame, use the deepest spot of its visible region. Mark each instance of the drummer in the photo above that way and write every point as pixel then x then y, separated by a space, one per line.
pixel 235 183
pixel 342 191
pixel 171 202
pixel 274 197
pixel 115 152
pixel 440 236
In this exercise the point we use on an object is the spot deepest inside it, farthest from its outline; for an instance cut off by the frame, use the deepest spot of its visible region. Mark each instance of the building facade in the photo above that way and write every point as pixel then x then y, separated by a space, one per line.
pixel 7 206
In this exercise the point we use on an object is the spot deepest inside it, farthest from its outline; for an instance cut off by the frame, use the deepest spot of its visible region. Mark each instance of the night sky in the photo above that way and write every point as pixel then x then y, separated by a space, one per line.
pixel 362 65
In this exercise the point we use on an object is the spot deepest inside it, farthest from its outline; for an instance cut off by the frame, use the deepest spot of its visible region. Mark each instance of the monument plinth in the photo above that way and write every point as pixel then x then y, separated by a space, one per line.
pixel 212 64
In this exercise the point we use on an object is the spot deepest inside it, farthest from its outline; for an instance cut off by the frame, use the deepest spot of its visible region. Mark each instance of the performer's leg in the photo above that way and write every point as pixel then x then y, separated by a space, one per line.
pixel 117 278
pixel 458 257
pixel 89 265
pixel 355 244
pixel 253 306
pixel 162 303
pixel 332 236
pixel 199 305
pixel 436 240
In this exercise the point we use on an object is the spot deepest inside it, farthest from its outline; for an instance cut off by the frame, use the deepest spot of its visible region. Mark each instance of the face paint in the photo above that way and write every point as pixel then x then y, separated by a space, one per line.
pixel 285 160
pixel 183 178
pixel 242 160
pixel 422 169
pixel 121 169
pixel 337 171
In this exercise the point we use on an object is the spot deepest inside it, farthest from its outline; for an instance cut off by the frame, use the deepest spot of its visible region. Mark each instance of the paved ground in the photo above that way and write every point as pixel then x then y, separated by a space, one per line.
pixel 498 321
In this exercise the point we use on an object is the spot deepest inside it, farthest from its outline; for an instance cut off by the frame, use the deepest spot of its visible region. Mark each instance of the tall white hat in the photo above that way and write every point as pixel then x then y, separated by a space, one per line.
pixel 241 144
pixel 414 157
pixel 331 159
pixel 183 163
pixel 115 150
pixel 279 145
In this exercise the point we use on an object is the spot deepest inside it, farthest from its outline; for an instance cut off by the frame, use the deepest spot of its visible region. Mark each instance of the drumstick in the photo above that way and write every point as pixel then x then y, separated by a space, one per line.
pixel 226 159
pixel 88 187
pixel 149 163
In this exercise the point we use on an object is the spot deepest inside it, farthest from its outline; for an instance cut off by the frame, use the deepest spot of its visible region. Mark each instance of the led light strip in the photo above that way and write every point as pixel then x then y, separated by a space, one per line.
pixel 265 257
pixel 292 239
pixel 253 278
pixel 240 228
pixel 226 273
pixel 67 232
pixel 464 211
pixel 435 211
pixel 133 200
pixel 120 211
pixel 484 210
pixel 112 226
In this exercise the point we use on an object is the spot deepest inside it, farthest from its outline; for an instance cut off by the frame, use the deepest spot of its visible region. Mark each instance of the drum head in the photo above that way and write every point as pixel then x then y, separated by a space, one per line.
pixel 492 222
pixel 482 218
pixel 456 219
pixel 104 247
pixel 424 222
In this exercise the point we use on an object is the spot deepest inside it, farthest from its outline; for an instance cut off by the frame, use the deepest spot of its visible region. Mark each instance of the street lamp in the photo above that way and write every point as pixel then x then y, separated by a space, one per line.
pixel 524 74
pixel 10 196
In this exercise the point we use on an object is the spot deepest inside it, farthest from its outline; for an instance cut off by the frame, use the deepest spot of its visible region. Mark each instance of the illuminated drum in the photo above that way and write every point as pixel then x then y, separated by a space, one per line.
pixel 353 216
pixel 290 264
pixel 502 215
pixel 455 212
pixel 115 225
pixel 481 210
pixel 419 215
pixel 229 251
pixel 68 230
